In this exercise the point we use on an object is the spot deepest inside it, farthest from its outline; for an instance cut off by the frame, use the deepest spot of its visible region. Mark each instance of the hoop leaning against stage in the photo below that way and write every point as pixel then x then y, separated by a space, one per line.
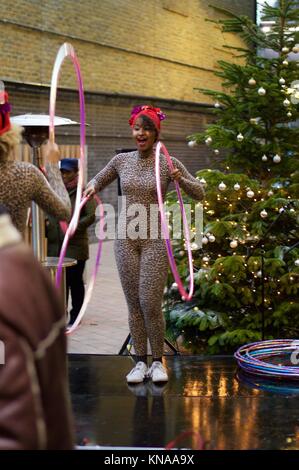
pixel 67 50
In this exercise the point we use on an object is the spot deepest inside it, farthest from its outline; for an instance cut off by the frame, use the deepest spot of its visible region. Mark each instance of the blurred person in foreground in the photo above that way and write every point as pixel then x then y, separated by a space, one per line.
pixel 35 411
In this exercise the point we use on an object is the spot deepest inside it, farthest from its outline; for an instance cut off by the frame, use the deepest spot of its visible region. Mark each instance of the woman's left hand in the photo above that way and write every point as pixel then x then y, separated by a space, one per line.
pixel 51 153
pixel 175 175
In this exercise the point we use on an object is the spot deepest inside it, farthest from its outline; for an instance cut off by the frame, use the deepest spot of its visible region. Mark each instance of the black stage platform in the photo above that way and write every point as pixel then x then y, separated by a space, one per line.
pixel 203 395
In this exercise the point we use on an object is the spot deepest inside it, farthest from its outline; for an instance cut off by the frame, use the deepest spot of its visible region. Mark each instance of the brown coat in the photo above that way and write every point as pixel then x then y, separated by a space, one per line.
pixel 35 408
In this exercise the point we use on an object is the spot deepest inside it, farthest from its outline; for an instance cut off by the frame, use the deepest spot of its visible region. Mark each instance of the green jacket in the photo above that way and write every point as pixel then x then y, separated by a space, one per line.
pixel 78 244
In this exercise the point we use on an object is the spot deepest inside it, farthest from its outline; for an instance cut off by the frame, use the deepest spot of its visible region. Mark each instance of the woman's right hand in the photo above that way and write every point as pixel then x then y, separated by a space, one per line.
pixel 51 152
pixel 89 191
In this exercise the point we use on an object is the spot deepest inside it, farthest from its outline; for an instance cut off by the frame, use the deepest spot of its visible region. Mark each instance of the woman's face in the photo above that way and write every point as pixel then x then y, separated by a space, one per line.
pixel 143 135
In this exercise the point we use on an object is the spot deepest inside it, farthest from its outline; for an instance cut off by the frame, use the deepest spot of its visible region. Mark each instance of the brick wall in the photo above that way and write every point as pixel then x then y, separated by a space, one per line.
pixel 160 48
pixel 109 129
pixel 239 7
pixel 128 51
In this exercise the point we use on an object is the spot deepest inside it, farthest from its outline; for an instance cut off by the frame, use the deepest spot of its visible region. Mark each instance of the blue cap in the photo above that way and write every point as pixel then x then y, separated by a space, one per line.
pixel 68 164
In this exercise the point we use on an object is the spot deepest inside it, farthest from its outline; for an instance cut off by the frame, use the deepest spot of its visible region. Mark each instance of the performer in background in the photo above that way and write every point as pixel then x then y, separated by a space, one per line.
pixel 142 262
pixel 78 247
pixel 21 182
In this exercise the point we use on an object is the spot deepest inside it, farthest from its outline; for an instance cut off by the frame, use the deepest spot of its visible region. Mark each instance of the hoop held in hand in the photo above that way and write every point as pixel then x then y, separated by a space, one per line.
pixel 185 295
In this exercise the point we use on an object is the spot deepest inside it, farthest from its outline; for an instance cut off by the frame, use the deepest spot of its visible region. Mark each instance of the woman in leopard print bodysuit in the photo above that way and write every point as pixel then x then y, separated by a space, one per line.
pixel 142 262
pixel 21 182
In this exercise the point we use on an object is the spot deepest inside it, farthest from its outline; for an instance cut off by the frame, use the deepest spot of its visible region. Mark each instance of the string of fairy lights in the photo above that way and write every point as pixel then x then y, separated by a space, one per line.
pixel 250 242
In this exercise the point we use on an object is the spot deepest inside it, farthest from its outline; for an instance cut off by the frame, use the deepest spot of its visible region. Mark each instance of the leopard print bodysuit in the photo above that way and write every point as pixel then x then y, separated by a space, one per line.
pixel 142 263
pixel 22 182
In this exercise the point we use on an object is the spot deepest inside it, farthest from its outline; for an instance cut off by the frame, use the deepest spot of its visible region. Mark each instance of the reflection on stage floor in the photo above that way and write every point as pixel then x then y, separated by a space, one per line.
pixel 204 394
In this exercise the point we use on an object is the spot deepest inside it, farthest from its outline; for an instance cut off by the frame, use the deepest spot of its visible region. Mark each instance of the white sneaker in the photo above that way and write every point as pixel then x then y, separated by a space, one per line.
pixel 157 372
pixel 137 374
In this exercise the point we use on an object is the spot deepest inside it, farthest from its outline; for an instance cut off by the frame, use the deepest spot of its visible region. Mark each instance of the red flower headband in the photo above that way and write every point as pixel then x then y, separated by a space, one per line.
pixel 155 114
pixel 4 113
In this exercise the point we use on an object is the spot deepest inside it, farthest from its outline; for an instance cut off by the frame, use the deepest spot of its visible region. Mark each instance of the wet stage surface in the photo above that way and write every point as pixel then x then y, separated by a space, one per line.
pixel 204 394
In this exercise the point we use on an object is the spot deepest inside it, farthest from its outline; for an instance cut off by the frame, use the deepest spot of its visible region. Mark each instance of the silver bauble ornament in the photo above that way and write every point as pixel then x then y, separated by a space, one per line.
pixel 285 63
pixel 208 140
pixel 282 81
pixel 222 186
pixel 192 143
pixel 240 137
pixel 277 158
pixel 285 50
pixel 250 194
pixel 212 238
pixel 252 81
pixel 204 240
pixel 286 103
pixel 233 244
pixel 263 214
pixel 264 158
pixel 296 262
pixel 261 91
pixel 237 187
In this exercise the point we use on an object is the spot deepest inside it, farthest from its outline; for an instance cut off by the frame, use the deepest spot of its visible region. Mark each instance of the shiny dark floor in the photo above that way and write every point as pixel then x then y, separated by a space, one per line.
pixel 204 394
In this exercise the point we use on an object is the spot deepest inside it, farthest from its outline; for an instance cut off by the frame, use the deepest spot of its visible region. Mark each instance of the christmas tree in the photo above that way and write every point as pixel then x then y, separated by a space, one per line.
pixel 247 271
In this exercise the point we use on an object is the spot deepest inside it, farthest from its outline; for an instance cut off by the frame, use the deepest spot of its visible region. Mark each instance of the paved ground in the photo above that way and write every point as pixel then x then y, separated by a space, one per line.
pixel 105 325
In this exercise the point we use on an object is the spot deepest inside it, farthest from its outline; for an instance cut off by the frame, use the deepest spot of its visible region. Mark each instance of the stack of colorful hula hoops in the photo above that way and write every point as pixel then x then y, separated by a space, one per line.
pixel 255 358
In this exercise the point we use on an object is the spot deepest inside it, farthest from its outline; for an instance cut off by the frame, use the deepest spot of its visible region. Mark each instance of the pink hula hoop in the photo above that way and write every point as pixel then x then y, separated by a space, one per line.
pixel 185 295
pixel 67 50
